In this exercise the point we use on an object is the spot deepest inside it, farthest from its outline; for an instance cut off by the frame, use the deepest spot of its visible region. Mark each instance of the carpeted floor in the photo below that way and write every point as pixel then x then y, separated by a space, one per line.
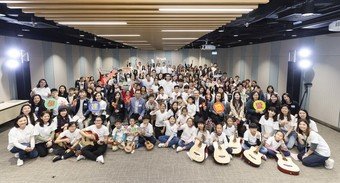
pixel 160 165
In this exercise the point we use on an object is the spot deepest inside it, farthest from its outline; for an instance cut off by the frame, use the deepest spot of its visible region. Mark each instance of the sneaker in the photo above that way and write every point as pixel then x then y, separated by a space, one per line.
pixel 231 157
pixel 294 156
pixel 329 164
pixel 264 157
pixel 189 156
pixel 16 155
pixel 56 158
pixel 50 150
pixel 160 145
pixel 206 155
pixel 100 159
pixel 174 146
pixel 80 157
pixel 133 151
pixel 179 149
pixel 20 162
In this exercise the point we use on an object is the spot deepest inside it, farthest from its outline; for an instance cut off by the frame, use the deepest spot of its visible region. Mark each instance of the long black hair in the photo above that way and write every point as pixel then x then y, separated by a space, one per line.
pixel 17 119
pixel 41 122
pixel 30 115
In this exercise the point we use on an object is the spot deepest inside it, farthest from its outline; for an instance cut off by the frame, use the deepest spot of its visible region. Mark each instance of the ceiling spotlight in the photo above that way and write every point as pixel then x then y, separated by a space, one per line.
pixel 81 35
pixel 289 30
pixel 2 15
pixel 20 35
pixel 67 42
pixel 294 35
pixel 221 30
pixel 80 40
pixel 235 35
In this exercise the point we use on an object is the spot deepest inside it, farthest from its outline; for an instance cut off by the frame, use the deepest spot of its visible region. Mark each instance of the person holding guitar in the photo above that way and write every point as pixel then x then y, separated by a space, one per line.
pixel 202 136
pixel 275 144
pixel 220 137
pixel 252 137
pixel 146 133
pixel 69 143
pixel 96 151
pixel 132 133
pixel 269 123
pixel 118 136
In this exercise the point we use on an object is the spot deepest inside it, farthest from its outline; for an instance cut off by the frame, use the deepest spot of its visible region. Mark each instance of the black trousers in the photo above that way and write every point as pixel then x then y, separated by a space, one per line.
pixel 42 149
pixel 92 152
pixel 211 149
pixel 60 151
pixel 141 140
pixel 158 131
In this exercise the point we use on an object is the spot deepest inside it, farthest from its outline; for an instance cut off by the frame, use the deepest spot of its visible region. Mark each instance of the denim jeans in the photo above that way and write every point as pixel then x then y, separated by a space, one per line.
pixel 23 154
pixel 291 140
pixel 185 146
pixel 263 150
pixel 272 154
pixel 312 160
pixel 164 139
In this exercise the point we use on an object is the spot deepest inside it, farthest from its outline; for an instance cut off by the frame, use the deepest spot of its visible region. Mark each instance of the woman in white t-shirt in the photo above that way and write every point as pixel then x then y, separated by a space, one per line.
pixel 102 108
pixel 21 140
pixel 44 134
pixel 67 141
pixel 42 89
pixel 316 151
pixel 287 124
pixel 26 109
pixel 268 123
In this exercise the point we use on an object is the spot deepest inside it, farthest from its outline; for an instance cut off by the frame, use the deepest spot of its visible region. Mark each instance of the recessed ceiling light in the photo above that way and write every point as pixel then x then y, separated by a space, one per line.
pixel 119 35
pixel 179 38
pixel 91 23
pixel 289 30
pixel 206 10
pixel 294 35
pixel 250 42
pixel 20 35
pixel 235 35
pixel 2 15
pixel 80 40
pixel 81 35
pixel 67 42
pixel 239 40
pixel 187 30
pixel 25 30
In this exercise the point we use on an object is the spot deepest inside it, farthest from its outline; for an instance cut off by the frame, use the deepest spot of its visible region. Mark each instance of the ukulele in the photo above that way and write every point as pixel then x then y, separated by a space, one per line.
pixel 235 143
pixel 252 156
pixel 130 145
pixel 221 155
pixel 148 145
pixel 286 165
pixel 88 141
pixel 197 152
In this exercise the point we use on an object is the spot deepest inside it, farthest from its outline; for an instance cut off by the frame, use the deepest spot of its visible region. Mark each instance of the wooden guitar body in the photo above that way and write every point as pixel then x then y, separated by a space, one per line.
pixel 221 155
pixel 286 165
pixel 197 152
pixel 148 145
pixel 87 141
pixel 252 156
pixel 235 144
pixel 130 146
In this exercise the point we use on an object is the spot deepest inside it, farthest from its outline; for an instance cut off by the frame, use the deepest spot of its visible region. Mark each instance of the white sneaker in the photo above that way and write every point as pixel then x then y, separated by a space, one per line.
pixel 174 146
pixel 179 149
pixel 133 151
pixel 16 155
pixel 100 159
pixel 161 145
pixel 80 157
pixel 329 164
pixel 50 150
pixel 20 162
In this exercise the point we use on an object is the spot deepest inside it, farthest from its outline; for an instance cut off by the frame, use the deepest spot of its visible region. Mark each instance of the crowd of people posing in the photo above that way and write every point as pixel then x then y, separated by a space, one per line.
pixel 174 105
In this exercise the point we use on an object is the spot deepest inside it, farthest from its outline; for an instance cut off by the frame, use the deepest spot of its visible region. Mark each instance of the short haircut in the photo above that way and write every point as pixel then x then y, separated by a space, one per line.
pixel 54 90
pixel 252 125
pixel 17 119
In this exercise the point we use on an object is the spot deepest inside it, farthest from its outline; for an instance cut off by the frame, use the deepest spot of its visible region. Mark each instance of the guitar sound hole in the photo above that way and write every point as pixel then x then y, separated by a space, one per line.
pixel 197 153
pixel 287 165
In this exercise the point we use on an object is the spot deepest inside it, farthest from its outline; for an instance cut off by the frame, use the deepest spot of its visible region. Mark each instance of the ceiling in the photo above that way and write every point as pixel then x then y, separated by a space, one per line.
pixel 276 20
pixel 152 24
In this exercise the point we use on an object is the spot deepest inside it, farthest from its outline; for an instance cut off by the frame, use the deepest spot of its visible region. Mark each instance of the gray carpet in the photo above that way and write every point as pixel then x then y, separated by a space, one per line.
pixel 159 165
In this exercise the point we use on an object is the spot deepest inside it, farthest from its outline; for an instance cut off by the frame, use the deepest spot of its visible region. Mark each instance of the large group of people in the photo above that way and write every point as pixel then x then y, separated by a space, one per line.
pixel 168 106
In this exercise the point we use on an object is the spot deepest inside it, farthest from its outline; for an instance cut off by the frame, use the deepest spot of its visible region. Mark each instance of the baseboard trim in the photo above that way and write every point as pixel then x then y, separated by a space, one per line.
pixel 326 124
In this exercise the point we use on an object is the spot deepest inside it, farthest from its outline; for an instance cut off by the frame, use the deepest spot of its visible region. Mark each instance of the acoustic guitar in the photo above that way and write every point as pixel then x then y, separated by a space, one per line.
pixel 88 141
pixel 221 155
pixel 148 145
pixel 252 156
pixel 115 144
pixel 286 165
pixel 64 145
pixel 197 152
pixel 130 145
pixel 235 143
